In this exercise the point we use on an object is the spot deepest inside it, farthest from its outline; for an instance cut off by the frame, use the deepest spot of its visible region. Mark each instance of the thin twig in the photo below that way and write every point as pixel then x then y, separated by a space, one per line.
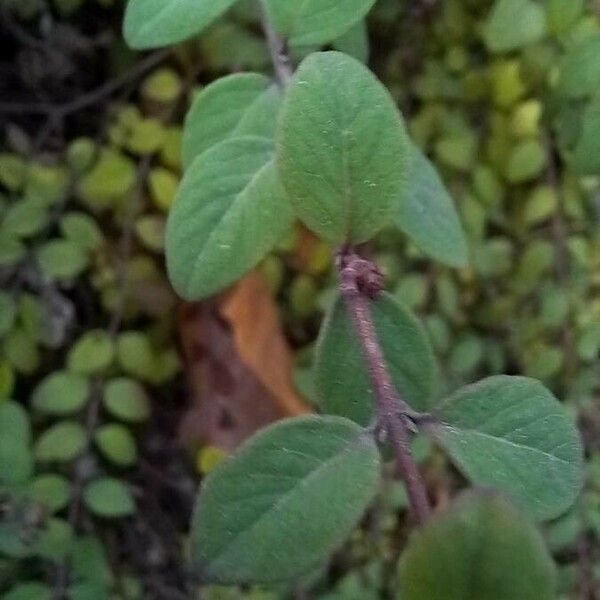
pixel 277 48
pixel 60 111
pixel 360 283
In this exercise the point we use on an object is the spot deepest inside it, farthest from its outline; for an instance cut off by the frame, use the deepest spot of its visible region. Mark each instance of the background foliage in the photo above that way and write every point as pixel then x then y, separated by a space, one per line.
pixel 95 485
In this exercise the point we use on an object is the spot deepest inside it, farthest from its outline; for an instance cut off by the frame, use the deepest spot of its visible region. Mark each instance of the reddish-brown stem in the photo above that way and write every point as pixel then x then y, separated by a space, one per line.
pixel 360 283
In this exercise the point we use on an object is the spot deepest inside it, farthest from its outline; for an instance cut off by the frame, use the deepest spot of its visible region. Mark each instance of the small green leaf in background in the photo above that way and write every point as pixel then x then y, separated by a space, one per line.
pixel 61 393
pixel 16 458
pixel 81 229
pixel 580 68
pixel 316 21
pixel 21 351
pixel 90 561
pixel 163 86
pixel 343 153
pixel 563 14
pixel 284 502
pixel 80 154
pixel 62 259
pixel 135 354
pixel 526 161
pixel 163 187
pixel 109 497
pixel 355 42
pixel 145 136
pixel 111 178
pixel 126 399
pixel 8 312
pixel 24 218
pixel 586 157
pixel 53 491
pixel 92 353
pixel 90 591
pixel 13 171
pixel 481 548
pixel 12 250
pixel 29 591
pixel 511 433
pixel 157 23
pixel 117 444
pixel 62 442
pixel 239 104
pixel 341 375
pixel 541 204
pixel 428 216
pixel 513 24
pixel 54 540
pixel 150 230
pixel 230 211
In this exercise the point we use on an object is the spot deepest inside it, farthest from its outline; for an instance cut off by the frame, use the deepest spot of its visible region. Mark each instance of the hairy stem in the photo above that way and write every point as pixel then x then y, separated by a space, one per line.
pixel 277 48
pixel 360 283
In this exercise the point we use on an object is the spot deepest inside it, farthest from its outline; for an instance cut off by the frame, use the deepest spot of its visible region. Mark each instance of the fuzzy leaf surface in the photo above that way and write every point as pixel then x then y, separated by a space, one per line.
pixel 230 211
pixel 343 153
pixel 284 502
pixel 482 548
pixel 238 104
pixel 308 22
pixel 428 215
pixel 512 434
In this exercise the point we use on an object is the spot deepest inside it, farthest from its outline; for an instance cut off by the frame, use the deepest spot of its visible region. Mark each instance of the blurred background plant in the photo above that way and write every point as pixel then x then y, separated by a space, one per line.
pixel 116 399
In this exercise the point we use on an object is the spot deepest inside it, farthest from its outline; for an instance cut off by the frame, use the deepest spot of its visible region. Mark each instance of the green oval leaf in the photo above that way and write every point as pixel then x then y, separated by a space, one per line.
pixel 54 540
pixel 316 21
pixel 24 218
pixel 290 496
pixel 230 211
pixel 586 156
pixel 511 433
pixel 239 104
pixel 52 491
pixel 513 24
pixel 92 353
pixel 117 444
pixel 62 442
pixel 157 23
pixel 580 69
pixel 480 548
pixel 82 229
pixel 62 259
pixel 428 216
pixel 16 459
pixel 343 153
pixel 126 399
pixel 28 591
pixel 109 497
pixel 341 375
pixel 61 393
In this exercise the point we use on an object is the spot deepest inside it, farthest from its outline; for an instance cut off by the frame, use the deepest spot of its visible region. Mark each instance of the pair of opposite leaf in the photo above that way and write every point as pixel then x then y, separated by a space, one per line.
pixel 156 23
pixel 331 150
pixel 292 494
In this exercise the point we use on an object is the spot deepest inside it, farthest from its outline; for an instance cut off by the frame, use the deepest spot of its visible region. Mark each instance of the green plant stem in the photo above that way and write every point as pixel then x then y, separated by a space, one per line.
pixel 277 48
pixel 360 283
